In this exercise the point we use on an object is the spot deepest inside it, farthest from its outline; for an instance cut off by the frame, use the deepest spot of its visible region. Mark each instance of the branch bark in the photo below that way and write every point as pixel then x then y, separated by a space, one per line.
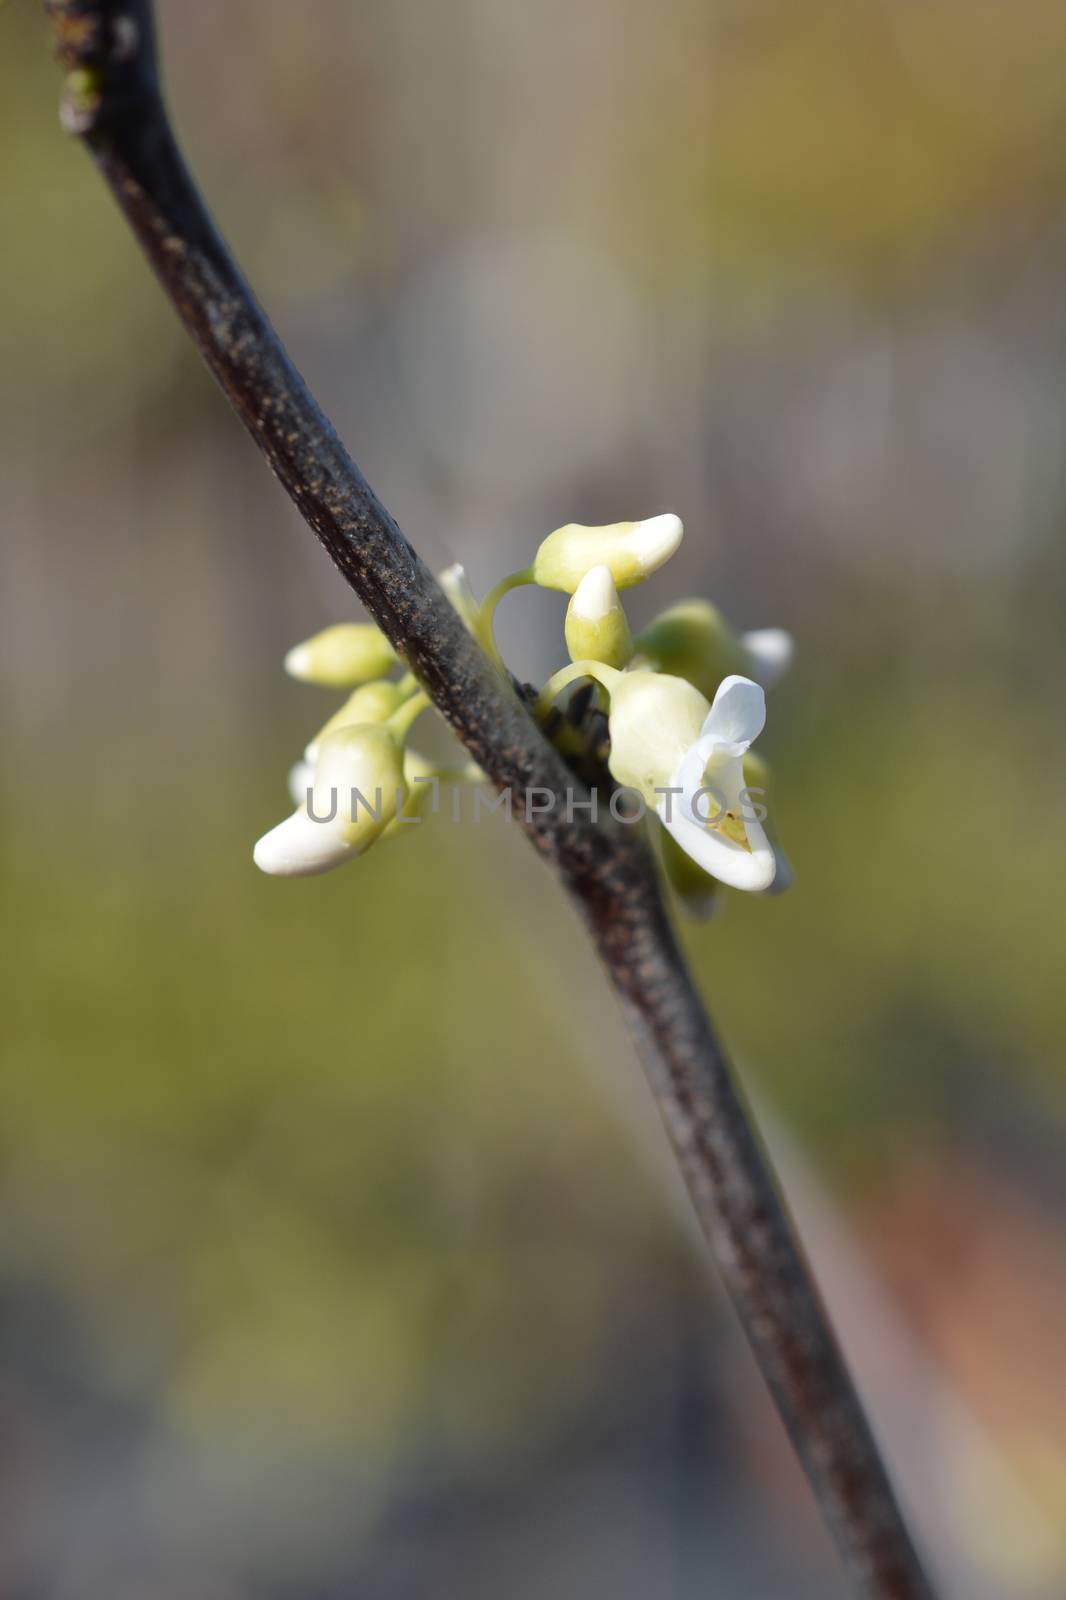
pixel 112 101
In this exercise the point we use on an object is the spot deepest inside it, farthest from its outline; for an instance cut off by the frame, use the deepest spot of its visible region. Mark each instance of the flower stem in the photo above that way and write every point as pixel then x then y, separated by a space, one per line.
pixel 605 676
pixel 485 629
pixel 405 716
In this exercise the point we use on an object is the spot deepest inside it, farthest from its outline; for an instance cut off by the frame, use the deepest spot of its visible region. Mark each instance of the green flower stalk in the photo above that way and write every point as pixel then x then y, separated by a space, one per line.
pixel 631 551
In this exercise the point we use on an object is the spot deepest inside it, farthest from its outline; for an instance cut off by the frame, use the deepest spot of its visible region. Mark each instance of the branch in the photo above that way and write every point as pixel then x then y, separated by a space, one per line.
pixel 113 102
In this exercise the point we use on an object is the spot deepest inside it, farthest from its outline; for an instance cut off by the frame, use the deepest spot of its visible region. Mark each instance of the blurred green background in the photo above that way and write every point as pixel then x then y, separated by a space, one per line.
pixel 340 1251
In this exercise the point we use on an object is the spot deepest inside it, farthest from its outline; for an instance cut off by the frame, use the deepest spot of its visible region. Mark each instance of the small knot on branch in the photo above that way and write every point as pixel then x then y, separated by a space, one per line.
pixel 107 50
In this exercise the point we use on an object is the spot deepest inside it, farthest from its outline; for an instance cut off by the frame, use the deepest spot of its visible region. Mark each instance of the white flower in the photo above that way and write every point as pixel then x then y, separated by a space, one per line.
pixel 357 784
pixel 686 758
pixel 714 819
pixel 654 721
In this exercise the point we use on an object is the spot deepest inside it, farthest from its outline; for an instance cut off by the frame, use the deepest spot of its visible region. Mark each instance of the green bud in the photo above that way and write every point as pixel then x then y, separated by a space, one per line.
pixel 692 640
pixel 336 658
pixel 82 97
pixel 596 626
pixel 631 550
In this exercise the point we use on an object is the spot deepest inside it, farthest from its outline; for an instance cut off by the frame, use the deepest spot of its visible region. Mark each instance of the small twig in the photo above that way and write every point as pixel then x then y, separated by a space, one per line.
pixel 113 102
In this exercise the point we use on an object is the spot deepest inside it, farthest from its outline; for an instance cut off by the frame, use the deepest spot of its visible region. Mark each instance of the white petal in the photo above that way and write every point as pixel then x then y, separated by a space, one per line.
pixel 719 783
pixel 595 596
pixel 730 863
pixel 299 848
pixel 769 652
pixel 690 773
pixel 737 716
pixel 656 538
pixel 655 720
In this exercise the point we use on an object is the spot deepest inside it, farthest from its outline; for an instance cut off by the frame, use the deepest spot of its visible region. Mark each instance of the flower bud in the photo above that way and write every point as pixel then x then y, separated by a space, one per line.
pixel 350 652
pixel 632 551
pixel 358 783
pixel 301 778
pixel 654 721
pixel 456 585
pixel 596 626
pixel 693 640
pixel 371 702
pixel 769 654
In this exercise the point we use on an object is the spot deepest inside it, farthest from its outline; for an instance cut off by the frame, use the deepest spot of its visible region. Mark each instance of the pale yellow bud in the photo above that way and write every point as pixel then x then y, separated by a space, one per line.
pixel 371 702
pixel 349 653
pixel 631 550
pixel 357 786
pixel 596 626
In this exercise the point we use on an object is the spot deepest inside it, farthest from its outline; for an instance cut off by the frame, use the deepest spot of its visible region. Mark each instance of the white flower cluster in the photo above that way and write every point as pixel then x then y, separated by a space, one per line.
pixel 685 702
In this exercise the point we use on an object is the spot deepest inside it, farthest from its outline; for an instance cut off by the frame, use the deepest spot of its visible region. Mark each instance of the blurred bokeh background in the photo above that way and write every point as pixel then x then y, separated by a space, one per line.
pixel 339 1248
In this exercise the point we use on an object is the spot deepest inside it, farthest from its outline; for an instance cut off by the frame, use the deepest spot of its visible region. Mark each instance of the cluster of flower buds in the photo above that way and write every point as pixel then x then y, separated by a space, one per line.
pixel 359 780
pixel 685 701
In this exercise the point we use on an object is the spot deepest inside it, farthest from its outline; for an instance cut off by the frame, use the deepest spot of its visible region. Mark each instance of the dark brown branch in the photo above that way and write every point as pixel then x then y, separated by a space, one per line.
pixel 112 100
